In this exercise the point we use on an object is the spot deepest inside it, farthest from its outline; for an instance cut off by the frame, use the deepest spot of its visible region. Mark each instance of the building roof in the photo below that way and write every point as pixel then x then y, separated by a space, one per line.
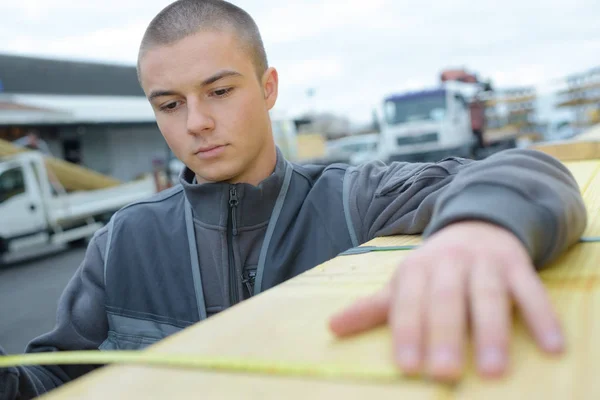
pixel 27 109
pixel 31 75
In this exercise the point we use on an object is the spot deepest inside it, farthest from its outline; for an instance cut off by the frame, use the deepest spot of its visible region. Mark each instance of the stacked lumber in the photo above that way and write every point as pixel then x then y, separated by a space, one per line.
pixel 310 146
pixel 71 176
pixel 584 147
pixel 571 150
pixel 286 327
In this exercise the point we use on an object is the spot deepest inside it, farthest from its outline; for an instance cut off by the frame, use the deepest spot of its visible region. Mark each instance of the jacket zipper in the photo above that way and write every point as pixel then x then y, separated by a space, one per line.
pixel 248 279
pixel 231 232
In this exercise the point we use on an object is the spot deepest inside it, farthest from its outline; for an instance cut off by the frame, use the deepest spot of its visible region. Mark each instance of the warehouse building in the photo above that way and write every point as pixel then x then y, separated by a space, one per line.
pixel 91 114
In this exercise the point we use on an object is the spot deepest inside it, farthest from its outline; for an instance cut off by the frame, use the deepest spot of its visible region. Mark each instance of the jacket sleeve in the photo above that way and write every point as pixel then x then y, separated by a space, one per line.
pixel 527 192
pixel 81 324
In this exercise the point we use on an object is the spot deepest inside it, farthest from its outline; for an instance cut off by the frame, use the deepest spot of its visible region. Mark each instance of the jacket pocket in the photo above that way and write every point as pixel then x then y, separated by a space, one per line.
pixel 129 333
pixel 116 341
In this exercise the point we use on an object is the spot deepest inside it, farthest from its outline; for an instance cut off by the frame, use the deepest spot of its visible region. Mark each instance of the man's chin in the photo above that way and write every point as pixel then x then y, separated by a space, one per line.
pixel 215 176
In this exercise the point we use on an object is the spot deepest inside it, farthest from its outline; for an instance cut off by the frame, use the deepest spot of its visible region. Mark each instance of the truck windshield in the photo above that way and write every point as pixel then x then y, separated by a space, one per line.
pixel 11 184
pixel 420 107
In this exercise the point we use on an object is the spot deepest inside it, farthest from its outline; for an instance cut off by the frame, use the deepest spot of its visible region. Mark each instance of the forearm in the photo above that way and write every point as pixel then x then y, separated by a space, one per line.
pixel 528 193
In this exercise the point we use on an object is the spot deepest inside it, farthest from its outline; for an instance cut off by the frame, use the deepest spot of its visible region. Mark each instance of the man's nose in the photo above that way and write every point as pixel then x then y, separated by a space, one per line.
pixel 199 119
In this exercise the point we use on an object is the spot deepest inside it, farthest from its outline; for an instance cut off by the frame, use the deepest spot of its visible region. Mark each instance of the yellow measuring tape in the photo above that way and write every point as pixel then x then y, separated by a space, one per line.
pixel 216 364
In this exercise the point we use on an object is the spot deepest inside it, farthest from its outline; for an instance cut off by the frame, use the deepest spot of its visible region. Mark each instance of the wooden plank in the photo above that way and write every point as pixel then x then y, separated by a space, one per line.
pixel 71 176
pixel 589 376
pixel 592 199
pixel 537 376
pixel 224 386
pixel 583 147
pixel 584 171
pixel 578 102
pixel 288 324
pixel 571 150
pixel 310 146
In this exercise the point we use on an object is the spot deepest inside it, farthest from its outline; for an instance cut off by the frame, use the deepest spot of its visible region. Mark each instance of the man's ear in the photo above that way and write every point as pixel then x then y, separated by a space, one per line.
pixel 270 85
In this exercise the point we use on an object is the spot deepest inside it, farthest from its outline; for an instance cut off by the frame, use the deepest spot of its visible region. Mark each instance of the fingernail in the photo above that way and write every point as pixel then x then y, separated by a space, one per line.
pixel 408 357
pixel 443 358
pixel 553 341
pixel 491 359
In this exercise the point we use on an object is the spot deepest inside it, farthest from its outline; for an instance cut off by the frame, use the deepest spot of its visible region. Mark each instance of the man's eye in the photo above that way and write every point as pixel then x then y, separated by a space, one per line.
pixel 170 106
pixel 222 92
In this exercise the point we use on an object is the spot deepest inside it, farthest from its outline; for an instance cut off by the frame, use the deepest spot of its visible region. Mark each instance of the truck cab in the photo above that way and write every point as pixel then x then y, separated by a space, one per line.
pixel 427 125
pixel 16 202
pixel 36 210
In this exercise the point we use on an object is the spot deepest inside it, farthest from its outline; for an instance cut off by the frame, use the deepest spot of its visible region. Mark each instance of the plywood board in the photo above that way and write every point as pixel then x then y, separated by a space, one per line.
pixel 572 150
pixel 310 146
pixel 592 200
pixel 584 172
pixel 288 324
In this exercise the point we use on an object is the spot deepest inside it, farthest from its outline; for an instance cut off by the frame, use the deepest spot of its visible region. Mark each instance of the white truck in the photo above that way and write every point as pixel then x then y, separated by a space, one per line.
pixel 426 125
pixel 35 210
pixel 429 125
pixel 354 150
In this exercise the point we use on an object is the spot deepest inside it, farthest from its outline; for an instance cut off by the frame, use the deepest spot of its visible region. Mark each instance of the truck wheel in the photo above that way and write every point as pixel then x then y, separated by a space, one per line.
pixel 77 244
pixel 3 250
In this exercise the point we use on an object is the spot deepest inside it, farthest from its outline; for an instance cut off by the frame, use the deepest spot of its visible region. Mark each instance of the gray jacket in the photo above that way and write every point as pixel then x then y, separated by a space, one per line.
pixel 194 250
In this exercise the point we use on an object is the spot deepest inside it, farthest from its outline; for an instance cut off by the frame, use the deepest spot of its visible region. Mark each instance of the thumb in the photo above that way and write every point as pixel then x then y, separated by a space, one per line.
pixel 365 314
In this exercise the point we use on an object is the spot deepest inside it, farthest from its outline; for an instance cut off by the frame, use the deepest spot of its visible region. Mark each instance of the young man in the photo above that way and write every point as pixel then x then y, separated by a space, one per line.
pixel 244 220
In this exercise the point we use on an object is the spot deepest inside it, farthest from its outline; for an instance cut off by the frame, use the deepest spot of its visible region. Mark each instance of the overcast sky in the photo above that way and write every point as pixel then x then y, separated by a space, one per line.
pixel 351 51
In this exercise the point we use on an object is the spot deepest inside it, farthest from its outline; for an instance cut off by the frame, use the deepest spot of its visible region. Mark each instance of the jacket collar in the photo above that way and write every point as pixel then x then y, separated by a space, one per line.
pixel 210 201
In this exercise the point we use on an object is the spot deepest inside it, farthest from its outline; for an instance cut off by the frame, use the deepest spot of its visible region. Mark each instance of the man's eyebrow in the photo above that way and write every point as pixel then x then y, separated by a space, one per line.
pixel 159 93
pixel 208 81
pixel 219 75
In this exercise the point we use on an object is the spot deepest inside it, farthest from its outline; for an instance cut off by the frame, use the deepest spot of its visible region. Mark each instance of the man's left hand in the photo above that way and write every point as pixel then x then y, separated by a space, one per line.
pixel 463 277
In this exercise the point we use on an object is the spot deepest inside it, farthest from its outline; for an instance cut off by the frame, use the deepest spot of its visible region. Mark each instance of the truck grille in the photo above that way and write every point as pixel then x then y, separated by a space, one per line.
pixel 425 138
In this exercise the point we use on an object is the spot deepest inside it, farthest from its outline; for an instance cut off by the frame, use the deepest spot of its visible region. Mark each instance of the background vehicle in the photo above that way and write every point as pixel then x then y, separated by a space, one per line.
pixel 35 209
pixel 353 150
pixel 435 123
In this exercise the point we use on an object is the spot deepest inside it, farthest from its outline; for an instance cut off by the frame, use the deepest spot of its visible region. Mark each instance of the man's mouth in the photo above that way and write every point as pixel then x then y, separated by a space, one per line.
pixel 210 151
pixel 207 148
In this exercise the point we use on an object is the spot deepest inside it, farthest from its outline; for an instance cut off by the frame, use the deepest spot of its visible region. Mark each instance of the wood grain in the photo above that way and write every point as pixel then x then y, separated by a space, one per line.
pixel 289 324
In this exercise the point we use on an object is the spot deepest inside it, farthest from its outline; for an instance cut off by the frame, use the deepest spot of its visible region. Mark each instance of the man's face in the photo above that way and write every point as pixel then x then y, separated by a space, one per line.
pixel 210 105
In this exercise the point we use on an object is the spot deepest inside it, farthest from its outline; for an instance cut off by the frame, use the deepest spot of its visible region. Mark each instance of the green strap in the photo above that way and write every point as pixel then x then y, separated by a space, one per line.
pixel 589 239
pixel 368 249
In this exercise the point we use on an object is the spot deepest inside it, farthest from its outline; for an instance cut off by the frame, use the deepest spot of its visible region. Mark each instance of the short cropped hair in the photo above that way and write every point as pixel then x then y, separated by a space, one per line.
pixel 184 18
